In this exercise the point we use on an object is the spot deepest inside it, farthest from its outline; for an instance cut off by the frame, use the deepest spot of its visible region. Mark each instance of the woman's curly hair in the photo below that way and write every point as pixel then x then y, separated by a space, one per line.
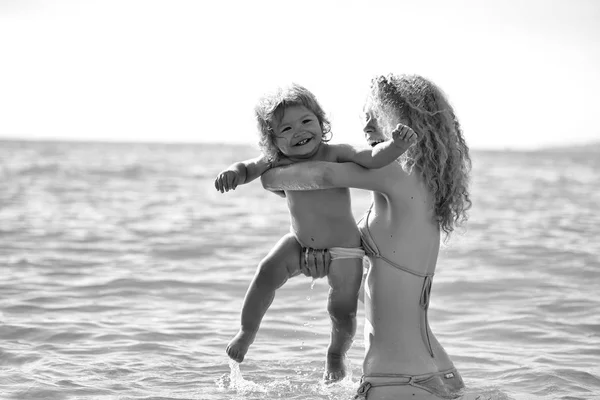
pixel 270 108
pixel 441 154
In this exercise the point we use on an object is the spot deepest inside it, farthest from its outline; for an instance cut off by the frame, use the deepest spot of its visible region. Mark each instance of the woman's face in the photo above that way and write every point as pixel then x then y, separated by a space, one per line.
pixel 373 127
pixel 378 126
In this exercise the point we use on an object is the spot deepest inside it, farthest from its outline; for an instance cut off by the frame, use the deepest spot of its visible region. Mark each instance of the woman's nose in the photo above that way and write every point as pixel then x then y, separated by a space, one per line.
pixel 369 122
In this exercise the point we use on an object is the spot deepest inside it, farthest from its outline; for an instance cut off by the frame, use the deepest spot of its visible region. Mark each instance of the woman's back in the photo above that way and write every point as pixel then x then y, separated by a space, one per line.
pixel 403 223
pixel 401 231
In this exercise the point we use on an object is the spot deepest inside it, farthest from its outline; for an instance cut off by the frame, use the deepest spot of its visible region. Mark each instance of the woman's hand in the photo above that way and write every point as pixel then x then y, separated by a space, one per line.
pixel 315 262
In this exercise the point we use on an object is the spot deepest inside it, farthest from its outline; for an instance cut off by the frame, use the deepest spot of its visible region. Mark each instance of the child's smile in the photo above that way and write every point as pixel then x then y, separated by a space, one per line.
pixel 298 134
pixel 303 142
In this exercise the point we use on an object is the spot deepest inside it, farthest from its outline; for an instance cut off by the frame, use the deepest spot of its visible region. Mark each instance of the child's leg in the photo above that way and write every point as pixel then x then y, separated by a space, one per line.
pixel 345 276
pixel 282 262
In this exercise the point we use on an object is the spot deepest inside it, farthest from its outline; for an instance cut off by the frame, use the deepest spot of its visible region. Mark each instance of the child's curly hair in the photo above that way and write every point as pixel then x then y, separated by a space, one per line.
pixel 271 108
pixel 441 155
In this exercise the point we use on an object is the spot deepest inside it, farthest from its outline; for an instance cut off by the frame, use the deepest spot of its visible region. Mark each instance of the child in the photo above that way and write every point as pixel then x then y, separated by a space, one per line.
pixel 292 127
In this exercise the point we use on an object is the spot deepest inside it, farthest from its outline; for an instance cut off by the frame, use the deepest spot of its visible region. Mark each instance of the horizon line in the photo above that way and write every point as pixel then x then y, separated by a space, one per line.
pixel 584 145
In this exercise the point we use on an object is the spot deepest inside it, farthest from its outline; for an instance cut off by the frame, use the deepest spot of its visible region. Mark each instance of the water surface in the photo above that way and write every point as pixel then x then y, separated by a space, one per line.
pixel 123 273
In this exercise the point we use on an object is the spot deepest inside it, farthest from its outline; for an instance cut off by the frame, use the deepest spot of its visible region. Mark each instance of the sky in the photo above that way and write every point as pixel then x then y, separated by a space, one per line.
pixel 520 74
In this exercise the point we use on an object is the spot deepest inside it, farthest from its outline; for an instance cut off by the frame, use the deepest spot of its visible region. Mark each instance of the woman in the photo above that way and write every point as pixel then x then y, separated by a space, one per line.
pixel 423 195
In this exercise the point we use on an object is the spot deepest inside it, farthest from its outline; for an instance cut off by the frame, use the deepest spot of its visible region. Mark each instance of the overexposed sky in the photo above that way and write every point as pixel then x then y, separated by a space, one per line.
pixel 520 73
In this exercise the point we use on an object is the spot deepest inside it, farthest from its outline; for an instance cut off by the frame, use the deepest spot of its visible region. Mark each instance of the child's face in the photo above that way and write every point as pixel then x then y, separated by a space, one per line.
pixel 298 134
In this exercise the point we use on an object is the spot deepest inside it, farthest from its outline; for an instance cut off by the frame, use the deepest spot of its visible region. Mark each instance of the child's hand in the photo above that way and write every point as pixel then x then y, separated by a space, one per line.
pixel 226 181
pixel 403 136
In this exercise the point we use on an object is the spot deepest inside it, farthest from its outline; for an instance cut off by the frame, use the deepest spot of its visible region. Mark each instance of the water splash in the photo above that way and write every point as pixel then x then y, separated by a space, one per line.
pixel 238 383
pixel 348 378
pixel 306 383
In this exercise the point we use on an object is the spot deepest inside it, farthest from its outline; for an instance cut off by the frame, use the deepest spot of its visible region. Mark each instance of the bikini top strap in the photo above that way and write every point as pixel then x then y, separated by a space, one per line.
pixel 372 249
pixel 405 269
pixel 365 216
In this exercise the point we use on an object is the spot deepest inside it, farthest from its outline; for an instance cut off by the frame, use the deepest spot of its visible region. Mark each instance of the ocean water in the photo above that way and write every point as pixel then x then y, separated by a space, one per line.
pixel 122 273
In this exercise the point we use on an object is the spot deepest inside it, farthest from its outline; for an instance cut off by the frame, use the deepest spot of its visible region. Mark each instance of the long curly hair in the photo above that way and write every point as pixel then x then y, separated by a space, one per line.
pixel 270 108
pixel 441 155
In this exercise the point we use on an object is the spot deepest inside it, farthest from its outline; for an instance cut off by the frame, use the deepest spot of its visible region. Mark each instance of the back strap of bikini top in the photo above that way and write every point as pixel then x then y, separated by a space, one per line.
pixel 405 269
pixel 374 250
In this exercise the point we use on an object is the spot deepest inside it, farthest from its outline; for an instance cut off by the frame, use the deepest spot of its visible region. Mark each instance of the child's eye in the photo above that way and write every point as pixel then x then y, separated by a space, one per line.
pixel 306 121
pixel 287 128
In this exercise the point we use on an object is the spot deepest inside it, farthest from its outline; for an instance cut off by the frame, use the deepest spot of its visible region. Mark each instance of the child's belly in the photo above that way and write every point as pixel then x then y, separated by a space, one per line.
pixel 323 218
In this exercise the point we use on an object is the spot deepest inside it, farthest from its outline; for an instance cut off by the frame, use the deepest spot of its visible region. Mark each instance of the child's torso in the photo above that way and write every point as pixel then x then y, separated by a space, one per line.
pixel 323 218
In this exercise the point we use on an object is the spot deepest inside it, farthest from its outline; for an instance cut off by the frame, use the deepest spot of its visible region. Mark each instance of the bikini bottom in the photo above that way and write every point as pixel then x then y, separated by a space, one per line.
pixel 445 384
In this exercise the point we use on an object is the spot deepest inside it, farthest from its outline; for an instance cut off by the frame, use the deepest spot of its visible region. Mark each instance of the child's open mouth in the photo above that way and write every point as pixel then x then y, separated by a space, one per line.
pixel 303 142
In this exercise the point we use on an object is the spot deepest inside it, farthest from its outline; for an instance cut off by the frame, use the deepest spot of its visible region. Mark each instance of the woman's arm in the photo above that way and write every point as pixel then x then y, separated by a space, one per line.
pixel 315 175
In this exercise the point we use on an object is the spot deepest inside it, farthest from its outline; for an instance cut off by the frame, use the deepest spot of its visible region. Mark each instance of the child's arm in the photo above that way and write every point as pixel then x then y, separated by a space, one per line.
pixel 381 154
pixel 240 173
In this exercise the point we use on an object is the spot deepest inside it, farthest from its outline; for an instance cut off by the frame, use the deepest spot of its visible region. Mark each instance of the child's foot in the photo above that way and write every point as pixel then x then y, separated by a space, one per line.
pixel 238 347
pixel 335 368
